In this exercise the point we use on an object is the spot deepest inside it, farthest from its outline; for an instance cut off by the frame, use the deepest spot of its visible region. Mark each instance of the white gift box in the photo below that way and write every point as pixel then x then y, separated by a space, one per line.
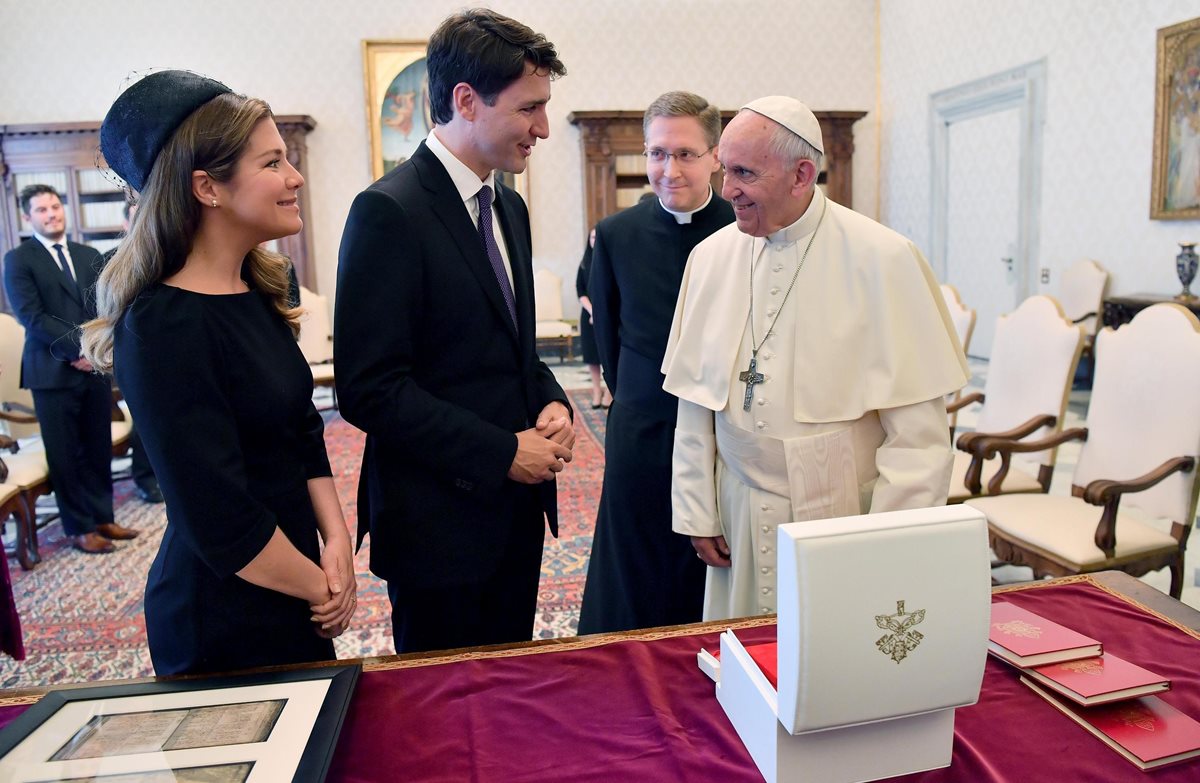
pixel 883 631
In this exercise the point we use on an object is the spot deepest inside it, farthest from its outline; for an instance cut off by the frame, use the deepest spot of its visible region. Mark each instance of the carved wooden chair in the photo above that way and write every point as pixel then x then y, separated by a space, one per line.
pixel 551 331
pixel 1034 354
pixel 1081 293
pixel 964 326
pixel 25 467
pixel 316 339
pixel 1133 494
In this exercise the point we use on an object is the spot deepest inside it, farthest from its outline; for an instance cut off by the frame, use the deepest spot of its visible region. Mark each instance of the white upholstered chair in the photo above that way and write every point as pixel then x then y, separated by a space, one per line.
pixel 1133 494
pixel 962 316
pixel 1034 353
pixel 964 326
pixel 25 463
pixel 1082 295
pixel 316 338
pixel 14 399
pixel 551 331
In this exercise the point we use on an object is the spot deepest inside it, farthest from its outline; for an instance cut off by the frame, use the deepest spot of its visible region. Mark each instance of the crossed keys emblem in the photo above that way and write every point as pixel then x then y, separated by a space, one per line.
pixel 902 640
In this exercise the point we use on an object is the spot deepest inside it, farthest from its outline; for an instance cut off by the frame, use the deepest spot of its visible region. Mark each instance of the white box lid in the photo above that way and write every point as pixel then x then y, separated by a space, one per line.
pixel 840 579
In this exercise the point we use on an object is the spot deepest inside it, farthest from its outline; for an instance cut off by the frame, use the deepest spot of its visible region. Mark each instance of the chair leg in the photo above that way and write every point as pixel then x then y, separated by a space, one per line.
pixel 27 544
pixel 30 502
pixel 1177 578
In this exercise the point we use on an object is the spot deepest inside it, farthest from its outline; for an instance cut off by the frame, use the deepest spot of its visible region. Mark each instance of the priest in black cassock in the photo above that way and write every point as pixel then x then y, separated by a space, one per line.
pixel 642 574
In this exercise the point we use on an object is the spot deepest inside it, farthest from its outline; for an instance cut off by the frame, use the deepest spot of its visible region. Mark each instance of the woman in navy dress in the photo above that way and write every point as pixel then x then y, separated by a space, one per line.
pixel 194 321
pixel 587 338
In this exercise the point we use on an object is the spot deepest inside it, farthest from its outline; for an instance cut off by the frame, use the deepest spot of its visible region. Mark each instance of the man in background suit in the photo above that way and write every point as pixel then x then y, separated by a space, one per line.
pixel 49 280
pixel 434 347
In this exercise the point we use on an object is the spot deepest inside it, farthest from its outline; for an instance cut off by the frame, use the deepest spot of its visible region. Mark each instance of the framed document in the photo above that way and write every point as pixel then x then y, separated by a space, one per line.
pixel 247 729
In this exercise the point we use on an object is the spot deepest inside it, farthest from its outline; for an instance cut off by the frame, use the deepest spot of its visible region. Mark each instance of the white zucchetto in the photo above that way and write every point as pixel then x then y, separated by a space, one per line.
pixel 791 114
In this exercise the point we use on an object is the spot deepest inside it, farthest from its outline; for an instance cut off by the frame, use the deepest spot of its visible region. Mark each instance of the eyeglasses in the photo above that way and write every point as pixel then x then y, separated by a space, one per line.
pixel 684 157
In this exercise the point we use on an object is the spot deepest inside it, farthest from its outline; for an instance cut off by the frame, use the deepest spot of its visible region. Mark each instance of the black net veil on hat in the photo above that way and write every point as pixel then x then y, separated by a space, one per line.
pixel 144 116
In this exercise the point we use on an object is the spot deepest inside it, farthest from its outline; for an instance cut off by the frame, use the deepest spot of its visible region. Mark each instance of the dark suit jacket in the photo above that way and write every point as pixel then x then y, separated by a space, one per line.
pixel 430 366
pixel 51 308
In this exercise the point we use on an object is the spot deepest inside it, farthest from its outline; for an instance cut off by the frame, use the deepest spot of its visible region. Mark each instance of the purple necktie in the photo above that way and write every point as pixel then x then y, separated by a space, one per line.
pixel 488 235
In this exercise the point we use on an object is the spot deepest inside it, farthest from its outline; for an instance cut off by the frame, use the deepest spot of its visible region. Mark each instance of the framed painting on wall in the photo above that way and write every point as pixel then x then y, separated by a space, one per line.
pixel 397 90
pixel 1175 188
pixel 398 116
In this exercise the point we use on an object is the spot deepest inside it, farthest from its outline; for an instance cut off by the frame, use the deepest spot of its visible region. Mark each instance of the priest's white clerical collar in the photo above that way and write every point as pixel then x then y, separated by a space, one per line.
pixel 802 227
pixel 686 217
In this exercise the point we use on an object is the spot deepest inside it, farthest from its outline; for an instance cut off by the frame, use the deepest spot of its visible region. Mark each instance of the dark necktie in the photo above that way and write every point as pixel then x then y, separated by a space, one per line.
pixel 62 261
pixel 488 234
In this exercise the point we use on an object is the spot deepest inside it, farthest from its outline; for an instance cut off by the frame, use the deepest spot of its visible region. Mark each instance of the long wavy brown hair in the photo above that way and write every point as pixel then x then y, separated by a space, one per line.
pixel 164 227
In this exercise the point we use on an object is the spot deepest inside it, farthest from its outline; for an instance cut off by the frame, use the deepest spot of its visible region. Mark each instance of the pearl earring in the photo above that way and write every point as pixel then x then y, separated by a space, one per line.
pixel 214 202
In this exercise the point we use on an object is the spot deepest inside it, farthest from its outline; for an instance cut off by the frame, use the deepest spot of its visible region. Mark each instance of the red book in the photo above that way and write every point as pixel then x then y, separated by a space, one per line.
pixel 765 654
pixel 1099 680
pixel 1147 731
pixel 1026 639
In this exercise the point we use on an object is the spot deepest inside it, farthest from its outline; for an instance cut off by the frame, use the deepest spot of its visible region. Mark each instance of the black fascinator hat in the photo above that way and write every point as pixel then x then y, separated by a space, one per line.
pixel 144 116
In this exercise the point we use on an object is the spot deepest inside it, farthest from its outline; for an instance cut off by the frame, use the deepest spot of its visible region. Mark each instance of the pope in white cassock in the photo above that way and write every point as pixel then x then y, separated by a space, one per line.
pixel 810 352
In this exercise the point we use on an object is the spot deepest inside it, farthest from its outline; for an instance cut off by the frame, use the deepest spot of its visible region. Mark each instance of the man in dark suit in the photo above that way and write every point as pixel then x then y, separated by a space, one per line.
pixel 49 280
pixel 434 348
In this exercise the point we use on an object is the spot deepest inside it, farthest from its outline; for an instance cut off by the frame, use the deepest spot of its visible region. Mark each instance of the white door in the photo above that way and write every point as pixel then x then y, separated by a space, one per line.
pixel 982 250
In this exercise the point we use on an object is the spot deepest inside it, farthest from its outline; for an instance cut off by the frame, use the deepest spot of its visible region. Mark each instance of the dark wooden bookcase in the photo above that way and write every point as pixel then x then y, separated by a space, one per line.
pixel 66 155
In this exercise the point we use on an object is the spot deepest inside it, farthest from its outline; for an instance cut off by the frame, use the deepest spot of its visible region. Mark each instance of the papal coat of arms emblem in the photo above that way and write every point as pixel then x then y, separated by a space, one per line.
pixel 902 639
pixel 1019 628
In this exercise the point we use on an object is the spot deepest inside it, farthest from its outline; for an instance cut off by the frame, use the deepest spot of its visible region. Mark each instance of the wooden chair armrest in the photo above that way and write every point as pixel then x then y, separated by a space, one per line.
pixel 987 446
pixel 24 414
pixel 18 419
pixel 991 446
pixel 1100 491
pixel 964 401
pixel 1107 493
pixel 1083 318
pixel 1016 433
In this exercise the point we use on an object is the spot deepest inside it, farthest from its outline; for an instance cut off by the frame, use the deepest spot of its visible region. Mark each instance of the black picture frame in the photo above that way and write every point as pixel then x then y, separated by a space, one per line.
pixel 322 739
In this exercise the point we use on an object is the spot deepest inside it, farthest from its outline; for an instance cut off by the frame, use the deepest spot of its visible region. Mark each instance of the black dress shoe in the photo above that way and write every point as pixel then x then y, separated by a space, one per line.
pixel 150 493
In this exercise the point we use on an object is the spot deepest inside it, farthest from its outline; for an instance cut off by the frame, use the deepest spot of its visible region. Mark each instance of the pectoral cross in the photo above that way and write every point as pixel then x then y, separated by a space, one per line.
pixel 750 377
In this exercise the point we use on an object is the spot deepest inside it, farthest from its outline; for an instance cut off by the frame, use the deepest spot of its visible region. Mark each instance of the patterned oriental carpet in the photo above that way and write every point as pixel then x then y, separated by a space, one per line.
pixel 82 619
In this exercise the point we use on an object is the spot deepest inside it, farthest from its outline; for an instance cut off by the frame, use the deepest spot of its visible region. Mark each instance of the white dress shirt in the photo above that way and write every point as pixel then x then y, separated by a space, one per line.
pixel 468 186
pixel 49 245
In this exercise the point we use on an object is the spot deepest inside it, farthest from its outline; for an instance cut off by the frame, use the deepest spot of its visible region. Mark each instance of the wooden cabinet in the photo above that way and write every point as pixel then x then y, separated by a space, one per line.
pixel 1120 310
pixel 66 156
pixel 614 171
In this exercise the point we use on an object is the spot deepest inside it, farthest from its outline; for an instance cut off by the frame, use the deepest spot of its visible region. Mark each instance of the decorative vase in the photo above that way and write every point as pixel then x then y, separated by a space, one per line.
pixel 1185 267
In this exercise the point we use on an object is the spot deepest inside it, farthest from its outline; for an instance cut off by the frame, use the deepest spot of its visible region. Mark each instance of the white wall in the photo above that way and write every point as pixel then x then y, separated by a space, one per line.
pixel 1099 124
pixel 304 57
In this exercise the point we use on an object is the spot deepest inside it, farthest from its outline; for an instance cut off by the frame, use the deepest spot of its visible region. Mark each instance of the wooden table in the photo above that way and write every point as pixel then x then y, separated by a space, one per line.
pixel 1120 310
pixel 633 706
